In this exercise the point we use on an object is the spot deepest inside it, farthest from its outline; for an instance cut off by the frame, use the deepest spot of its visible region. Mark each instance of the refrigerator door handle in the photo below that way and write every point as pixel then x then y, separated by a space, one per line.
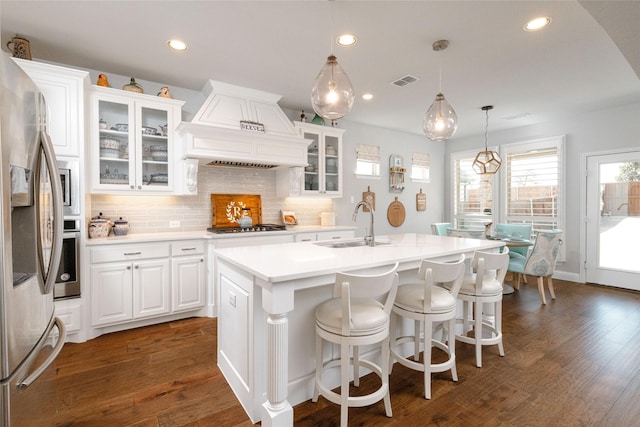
pixel 58 223
pixel 62 335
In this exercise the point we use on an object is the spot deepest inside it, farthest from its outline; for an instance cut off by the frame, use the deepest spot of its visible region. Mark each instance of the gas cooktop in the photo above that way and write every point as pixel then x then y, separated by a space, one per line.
pixel 254 229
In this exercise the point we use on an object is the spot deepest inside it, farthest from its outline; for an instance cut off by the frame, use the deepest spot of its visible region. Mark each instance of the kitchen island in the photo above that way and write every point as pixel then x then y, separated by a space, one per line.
pixel 268 295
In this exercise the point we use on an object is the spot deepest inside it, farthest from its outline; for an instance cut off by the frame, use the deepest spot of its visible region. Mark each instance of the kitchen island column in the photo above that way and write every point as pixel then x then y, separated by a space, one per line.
pixel 276 302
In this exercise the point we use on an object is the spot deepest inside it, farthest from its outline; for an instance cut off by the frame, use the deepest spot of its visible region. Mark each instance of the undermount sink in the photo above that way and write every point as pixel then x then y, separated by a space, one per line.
pixel 347 244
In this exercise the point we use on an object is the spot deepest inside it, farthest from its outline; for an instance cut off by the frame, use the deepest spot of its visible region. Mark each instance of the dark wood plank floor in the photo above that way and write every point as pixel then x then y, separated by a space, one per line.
pixel 573 362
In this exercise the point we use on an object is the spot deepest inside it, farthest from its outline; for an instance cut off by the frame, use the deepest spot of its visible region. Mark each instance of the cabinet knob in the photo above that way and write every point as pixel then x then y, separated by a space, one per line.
pixel 201 259
pixel 128 267
pixel 139 187
pixel 137 267
pixel 131 187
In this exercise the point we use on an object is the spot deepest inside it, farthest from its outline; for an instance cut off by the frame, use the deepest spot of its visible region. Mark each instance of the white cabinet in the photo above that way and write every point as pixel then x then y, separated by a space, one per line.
pixel 188 275
pixel 64 90
pixel 129 282
pixel 151 288
pixel 323 175
pixel 132 141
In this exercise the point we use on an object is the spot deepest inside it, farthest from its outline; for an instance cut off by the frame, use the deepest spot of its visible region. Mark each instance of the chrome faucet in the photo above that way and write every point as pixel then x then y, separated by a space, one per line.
pixel 370 237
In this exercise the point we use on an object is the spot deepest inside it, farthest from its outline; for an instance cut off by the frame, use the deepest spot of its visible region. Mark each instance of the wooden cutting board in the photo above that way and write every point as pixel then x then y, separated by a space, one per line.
pixel 226 208
pixel 369 196
pixel 421 201
pixel 396 213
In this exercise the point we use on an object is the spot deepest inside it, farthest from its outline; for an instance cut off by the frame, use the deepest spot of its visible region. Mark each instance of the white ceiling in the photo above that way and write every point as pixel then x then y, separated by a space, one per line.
pixel 279 46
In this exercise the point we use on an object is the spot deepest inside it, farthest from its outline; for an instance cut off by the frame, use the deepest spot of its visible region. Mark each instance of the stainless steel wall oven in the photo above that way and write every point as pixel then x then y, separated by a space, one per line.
pixel 68 277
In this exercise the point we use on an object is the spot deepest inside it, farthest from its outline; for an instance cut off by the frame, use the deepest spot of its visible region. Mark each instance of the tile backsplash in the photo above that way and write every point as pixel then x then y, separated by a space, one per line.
pixel 152 213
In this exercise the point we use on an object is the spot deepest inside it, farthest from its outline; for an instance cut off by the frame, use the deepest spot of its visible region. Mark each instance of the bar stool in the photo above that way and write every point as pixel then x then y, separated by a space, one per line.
pixel 356 317
pixel 424 302
pixel 481 288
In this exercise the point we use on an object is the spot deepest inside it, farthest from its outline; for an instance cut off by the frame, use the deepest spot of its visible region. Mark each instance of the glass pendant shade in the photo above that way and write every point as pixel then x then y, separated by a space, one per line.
pixel 440 120
pixel 332 94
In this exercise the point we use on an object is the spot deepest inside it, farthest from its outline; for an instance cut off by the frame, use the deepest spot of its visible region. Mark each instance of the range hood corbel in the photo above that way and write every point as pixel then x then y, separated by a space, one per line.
pixel 214 136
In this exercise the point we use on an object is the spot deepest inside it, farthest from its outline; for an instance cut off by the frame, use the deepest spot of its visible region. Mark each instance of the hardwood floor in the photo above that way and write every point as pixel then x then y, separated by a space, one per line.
pixel 573 362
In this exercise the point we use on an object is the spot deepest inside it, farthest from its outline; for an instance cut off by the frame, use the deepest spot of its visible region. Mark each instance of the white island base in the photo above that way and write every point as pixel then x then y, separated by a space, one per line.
pixel 267 297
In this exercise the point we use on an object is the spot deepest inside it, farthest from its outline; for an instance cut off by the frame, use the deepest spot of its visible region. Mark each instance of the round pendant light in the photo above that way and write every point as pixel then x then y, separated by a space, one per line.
pixel 332 94
pixel 440 121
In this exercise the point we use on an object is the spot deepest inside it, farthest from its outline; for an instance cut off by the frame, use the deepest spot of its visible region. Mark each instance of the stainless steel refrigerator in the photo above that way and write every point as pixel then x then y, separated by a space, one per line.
pixel 30 246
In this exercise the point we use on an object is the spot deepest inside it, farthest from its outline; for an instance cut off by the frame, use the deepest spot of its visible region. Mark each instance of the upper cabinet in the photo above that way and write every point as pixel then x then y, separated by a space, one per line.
pixel 323 174
pixel 132 141
pixel 64 90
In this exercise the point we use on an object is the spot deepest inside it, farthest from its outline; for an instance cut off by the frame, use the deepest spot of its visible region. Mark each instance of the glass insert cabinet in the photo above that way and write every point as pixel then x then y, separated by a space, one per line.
pixel 132 141
pixel 323 175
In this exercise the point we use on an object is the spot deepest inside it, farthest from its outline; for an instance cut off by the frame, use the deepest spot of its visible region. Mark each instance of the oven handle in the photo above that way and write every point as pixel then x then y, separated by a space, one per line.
pixel 62 335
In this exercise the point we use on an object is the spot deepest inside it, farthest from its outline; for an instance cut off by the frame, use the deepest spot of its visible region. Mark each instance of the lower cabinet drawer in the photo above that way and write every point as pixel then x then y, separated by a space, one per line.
pixel 111 253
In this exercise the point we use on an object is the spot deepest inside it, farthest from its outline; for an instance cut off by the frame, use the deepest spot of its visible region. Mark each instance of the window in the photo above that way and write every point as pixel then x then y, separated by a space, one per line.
pixel 473 193
pixel 533 185
pixel 420 167
pixel 368 160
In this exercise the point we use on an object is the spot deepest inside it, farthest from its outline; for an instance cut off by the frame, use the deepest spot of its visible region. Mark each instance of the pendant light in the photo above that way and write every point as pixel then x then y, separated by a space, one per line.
pixel 487 162
pixel 332 93
pixel 440 120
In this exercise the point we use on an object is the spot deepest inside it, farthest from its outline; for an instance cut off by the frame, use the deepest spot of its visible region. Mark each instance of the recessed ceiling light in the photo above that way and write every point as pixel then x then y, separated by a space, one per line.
pixel 347 40
pixel 177 44
pixel 537 24
pixel 367 96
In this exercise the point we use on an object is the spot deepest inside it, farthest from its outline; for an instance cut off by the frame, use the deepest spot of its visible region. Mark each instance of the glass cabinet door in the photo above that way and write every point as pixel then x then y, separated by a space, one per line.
pixel 312 171
pixel 116 150
pixel 332 163
pixel 154 148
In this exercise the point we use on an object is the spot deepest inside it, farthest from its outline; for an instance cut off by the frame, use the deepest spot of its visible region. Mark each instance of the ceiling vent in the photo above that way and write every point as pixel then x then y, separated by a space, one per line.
pixel 518 116
pixel 403 81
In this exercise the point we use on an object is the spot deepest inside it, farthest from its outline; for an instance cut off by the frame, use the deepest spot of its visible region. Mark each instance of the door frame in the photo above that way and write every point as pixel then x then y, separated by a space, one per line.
pixel 584 157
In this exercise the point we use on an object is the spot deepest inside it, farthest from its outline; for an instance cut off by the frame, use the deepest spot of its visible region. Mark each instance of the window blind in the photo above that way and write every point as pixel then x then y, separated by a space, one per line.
pixel 532 188
pixel 368 160
pixel 420 167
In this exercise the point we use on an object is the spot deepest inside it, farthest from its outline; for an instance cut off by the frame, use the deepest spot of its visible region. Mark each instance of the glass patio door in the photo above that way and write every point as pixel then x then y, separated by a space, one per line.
pixel 613 220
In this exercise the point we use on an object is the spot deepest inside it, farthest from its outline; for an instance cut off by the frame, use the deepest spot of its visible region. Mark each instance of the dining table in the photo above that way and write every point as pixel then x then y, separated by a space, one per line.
pixel 510 241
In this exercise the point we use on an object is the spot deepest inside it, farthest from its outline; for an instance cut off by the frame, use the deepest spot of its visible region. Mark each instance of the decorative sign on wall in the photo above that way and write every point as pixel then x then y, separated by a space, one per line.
pixel 396 173
pixel 369 197
pixel 252 126
pixel 421 201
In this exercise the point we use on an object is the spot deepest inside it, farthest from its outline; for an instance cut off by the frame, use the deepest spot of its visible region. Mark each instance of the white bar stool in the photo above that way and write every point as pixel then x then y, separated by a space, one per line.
pixel 483 287
pixel 356 317
pixel 424 302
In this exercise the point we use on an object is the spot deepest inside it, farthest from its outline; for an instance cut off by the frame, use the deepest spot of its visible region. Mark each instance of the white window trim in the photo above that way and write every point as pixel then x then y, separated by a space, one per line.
pixel 470 154
pixel 524 146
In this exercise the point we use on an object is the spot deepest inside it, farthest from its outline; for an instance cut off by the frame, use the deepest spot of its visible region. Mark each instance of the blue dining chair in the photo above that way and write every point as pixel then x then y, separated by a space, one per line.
pixel 440 228
pixel 541 261
pixel 522 231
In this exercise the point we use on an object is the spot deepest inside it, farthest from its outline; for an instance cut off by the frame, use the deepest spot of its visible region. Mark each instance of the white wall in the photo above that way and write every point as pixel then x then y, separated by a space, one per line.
pixel 391 142
pixel 609 129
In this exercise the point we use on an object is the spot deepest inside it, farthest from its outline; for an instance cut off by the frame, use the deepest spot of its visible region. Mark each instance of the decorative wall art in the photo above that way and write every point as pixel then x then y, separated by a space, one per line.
pixel 396 173
pixel 421 201
pixel 369 197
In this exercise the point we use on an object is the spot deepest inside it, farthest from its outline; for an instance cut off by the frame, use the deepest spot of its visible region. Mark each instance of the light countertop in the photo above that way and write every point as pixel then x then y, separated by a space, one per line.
pixel 204 234
pixel 291 261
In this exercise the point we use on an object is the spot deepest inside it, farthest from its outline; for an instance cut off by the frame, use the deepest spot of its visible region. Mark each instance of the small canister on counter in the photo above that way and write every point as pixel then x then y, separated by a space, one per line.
pixel 99 227
pixel 120 227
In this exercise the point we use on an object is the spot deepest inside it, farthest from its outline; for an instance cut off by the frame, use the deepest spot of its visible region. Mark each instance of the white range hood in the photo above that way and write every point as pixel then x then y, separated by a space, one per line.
pixel 215 136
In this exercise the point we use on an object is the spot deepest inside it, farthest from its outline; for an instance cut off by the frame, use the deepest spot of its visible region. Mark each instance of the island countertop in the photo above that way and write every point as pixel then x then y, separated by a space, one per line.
pixel 291 261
